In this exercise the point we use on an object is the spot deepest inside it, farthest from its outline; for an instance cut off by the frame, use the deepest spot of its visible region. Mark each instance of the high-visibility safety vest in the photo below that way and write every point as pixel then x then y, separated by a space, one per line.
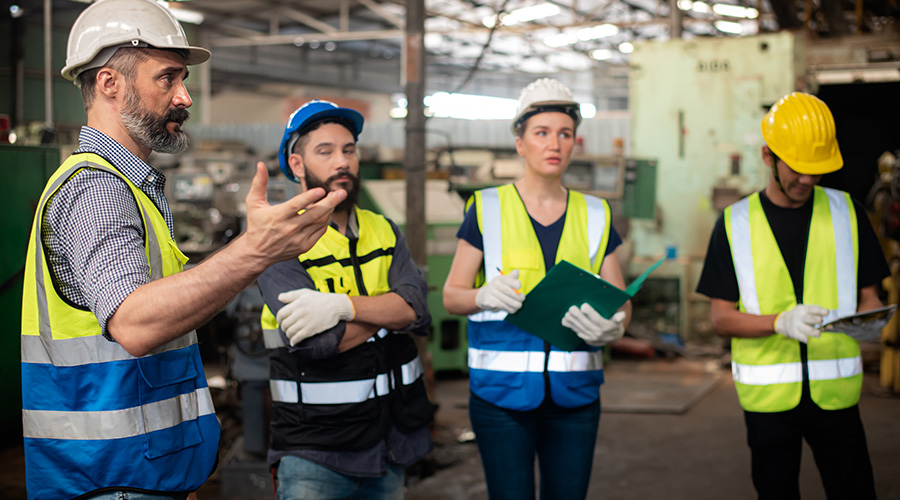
pixel 768 371
pixel 94 416
pixel 507 364
pixel 347 402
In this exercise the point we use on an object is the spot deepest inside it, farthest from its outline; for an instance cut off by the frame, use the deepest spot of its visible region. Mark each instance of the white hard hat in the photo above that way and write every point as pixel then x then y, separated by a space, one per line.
pixel 545 94
pixel 108 25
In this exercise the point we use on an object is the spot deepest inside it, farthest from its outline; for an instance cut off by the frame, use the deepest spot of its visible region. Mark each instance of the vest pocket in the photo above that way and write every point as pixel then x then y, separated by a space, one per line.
pixel 168 398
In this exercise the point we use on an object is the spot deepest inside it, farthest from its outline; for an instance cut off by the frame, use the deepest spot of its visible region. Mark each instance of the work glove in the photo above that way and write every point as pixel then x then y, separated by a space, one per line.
pixel 593 329
pixel 307 312
pixel 799 323
pixel 501 293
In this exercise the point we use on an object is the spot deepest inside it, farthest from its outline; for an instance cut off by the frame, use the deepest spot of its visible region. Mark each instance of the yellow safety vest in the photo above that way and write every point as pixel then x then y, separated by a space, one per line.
pixel 767 371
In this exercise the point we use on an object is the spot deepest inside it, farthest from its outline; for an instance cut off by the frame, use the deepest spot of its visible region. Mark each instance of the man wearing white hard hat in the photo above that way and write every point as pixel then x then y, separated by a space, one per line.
pixel 115 400
pixel 529 398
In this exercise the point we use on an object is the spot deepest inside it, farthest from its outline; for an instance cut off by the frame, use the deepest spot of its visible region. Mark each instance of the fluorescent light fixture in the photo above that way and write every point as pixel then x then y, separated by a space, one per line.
pixel 13 137
pixel 398 112
pixel 601 54
pixel 523 15
pixel 626 48
pixel 15 11
pixel 725 9
pixel 684 4
pixel 588 111
pixel 184 15
pixel 560 40
pixel 599 31
pixel 729 27
pixel 701 7
pixel 471 107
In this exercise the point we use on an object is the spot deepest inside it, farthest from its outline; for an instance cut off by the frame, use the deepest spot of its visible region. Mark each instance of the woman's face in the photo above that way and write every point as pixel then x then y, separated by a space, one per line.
pixel 547 143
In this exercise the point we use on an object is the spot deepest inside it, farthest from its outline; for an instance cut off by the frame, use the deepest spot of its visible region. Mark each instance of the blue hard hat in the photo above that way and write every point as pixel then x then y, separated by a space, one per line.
pixel 308 115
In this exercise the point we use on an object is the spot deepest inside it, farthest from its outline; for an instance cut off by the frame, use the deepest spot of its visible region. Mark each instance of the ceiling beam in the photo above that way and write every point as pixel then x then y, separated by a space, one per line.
pixel 334 36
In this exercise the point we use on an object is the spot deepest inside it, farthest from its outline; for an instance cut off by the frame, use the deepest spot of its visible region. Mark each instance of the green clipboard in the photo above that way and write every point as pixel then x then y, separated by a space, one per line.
pixel 567 285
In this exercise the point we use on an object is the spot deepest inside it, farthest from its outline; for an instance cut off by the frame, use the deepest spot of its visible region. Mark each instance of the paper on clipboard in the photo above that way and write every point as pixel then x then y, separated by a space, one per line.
pixel 564 286
pixel 865 326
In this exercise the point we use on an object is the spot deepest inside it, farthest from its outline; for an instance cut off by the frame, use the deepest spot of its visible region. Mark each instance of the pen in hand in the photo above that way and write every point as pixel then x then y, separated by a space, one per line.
pixel 504 274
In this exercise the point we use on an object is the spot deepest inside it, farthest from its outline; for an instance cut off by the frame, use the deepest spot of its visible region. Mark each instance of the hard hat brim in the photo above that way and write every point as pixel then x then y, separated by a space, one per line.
pixel 832 164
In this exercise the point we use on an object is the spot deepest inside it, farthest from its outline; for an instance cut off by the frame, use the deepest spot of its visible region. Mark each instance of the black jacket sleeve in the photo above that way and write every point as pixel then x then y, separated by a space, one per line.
pixel 407 281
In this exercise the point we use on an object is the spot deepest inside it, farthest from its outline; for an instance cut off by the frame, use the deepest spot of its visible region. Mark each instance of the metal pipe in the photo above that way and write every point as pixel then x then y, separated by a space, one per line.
pixel 414 156
pixel 48 64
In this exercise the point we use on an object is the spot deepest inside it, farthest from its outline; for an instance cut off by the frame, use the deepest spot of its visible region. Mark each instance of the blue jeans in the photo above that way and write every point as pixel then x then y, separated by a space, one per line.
pixel 300 479
pixel 131 495
pixel 562 438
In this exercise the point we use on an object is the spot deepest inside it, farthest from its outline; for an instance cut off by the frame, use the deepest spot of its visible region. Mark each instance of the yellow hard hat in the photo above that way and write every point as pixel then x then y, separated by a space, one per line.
pixel 800 130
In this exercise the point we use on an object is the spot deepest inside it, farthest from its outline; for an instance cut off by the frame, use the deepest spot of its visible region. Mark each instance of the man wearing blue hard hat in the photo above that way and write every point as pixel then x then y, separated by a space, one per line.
pixel 350 410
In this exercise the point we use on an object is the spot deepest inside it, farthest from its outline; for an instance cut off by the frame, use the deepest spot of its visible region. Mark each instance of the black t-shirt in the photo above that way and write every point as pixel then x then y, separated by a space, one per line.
pixel 790 227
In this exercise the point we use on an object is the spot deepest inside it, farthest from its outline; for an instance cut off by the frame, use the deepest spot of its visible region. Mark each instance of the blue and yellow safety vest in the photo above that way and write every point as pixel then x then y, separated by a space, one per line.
pixel 94 416
pixel 768 371
pixel 507 364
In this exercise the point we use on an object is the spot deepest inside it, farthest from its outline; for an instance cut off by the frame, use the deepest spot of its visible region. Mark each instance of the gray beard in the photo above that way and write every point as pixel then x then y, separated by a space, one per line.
pixel 149 129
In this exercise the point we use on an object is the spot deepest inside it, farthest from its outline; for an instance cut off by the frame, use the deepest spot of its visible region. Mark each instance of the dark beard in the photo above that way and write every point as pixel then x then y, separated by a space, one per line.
pixel 149 128
pixel 352 194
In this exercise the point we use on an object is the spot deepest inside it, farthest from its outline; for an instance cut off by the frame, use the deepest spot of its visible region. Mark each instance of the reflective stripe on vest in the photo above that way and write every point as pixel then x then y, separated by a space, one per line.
pixel 533 361
pixel 347 392
pixel 768 371
pixel 117 424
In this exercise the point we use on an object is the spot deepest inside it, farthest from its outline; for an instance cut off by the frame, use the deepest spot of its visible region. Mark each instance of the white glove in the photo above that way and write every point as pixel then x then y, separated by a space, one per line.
pixel 307 312
pixel 592 328
pixel 799 323
pixel 501 293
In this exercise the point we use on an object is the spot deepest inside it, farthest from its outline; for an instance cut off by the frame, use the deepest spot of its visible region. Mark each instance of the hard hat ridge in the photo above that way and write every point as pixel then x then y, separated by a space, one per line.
pixel 800 130
pixel 308 115
pixel 543 95
pixel 108 25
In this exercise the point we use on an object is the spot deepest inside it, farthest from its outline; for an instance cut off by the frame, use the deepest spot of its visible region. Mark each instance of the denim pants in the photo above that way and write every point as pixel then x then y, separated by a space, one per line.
pixel 508 440
pixel 131 495
pixel 300 479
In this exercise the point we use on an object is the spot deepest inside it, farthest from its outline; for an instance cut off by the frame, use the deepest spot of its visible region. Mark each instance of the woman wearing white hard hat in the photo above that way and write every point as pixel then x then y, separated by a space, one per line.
pixel 528 397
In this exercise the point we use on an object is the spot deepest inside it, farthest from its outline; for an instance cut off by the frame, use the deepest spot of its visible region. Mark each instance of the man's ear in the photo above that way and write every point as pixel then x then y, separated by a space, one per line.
pixel 295 161
pixel 109 82
pixel 766 155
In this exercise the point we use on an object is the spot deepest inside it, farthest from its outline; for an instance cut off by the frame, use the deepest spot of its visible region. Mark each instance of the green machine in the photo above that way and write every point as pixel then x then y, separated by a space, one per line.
pixel 447 342
pixel 25 171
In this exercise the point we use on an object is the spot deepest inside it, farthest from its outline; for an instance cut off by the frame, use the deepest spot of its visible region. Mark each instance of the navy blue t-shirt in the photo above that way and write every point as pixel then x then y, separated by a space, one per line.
pixel 548 236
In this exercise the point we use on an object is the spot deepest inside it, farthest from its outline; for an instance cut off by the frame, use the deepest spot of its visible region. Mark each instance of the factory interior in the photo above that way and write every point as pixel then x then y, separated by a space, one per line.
pixel 672 93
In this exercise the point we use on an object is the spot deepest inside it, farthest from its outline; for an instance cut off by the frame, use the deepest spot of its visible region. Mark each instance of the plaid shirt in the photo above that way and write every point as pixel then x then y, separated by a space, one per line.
pixel 93 232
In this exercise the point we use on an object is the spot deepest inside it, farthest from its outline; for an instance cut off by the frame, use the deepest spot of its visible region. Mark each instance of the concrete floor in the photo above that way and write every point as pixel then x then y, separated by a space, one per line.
pixel 698 454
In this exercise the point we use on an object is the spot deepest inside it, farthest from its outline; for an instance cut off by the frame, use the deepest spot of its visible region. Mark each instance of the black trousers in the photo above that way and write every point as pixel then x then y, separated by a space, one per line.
pixel 838 443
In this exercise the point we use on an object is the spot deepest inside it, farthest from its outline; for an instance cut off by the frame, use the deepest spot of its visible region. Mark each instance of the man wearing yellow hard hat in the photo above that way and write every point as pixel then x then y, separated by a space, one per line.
pixel 781 262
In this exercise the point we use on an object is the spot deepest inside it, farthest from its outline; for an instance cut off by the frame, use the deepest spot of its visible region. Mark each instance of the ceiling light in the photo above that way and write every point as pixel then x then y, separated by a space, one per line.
pixel 523 15
pixel 601 54
pixel 729 27
pixel 184 15
pixel 588 110
pixel 471 107
pixel 725 9
pixel 15 11
pixel 560 40
pixel 330 46
pixel 701 7
pixel 684 4
pixel 397 112
pixel 600 31
pixel 626 48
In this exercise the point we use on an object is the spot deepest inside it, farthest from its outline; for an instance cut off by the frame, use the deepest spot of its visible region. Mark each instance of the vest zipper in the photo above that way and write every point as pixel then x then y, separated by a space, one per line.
pixel 354 259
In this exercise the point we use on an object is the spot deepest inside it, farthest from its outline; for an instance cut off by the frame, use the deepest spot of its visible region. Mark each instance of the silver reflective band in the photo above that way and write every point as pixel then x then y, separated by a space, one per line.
pixel 117 424
pixel 533 361
pixel 491 233
pixel 284 391
pixel 576 361
pixel 742 255
pixel 596 224
pixel 781 373
pixel 332 393
pixel 832 369
pixel 843 249
pixel 382 333
pixel 272 338
pixel 85 350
